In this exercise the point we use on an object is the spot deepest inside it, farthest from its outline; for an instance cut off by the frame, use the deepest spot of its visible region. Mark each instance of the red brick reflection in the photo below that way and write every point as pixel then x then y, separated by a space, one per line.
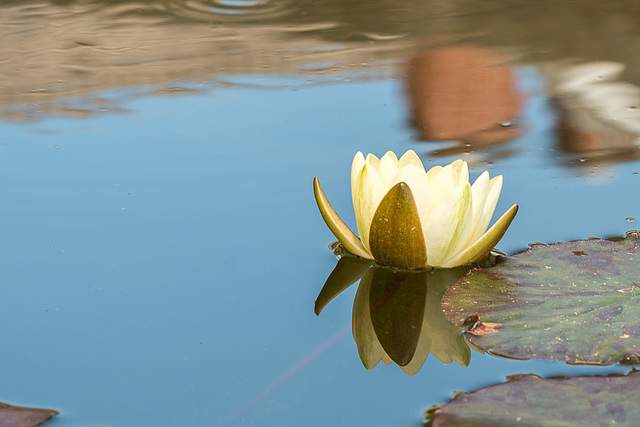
pixel 463 93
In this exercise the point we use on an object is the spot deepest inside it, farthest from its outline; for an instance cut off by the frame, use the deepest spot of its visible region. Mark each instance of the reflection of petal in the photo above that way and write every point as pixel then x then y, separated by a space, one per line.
pixel 347 272
pixel 447 344
pixel 369 348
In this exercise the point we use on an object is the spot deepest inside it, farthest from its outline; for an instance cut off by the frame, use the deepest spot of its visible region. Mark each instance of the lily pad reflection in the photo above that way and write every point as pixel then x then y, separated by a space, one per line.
pixel 396 314
pixel 576 302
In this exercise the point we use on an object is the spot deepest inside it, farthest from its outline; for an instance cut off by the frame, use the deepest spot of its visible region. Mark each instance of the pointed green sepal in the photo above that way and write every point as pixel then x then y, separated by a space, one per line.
pixel 483 246
pixel 349 240
pixel 396 237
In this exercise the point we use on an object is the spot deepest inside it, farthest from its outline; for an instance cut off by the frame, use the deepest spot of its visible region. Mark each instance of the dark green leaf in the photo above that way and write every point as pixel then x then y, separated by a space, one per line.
pixel 577 302
pixel 528 400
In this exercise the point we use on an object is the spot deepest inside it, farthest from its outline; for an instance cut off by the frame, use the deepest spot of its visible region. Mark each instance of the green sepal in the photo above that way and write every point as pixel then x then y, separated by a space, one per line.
pixel 349 240
pixel 396 237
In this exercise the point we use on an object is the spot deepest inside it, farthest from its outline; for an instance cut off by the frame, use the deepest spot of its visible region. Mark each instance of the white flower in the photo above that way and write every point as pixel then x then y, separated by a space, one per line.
pixel 411 218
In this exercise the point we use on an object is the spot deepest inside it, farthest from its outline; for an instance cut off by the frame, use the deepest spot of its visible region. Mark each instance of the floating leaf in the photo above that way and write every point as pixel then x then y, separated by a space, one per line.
pixel 17 416
pixel 577 302
pixel 527 400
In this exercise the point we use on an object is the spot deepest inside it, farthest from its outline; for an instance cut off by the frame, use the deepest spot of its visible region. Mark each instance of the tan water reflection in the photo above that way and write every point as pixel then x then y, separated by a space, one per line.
pixel 458 57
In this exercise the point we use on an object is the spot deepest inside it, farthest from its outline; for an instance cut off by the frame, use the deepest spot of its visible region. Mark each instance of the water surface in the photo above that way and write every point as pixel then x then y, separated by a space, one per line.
pixel 162 249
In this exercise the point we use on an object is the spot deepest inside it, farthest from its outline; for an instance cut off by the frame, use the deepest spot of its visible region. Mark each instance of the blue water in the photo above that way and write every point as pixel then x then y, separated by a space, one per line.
pixel 160 265
pixel 160 260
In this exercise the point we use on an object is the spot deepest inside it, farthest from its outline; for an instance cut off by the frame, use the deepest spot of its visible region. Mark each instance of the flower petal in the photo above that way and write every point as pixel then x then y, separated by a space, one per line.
pixel 483 246
pixel 356 168
pixel 485 215
pixel 387 168
pixel 461 171
pixel 396 237
pixel 446 224
pixel 339 229
pixel 410 158
pixel 369 193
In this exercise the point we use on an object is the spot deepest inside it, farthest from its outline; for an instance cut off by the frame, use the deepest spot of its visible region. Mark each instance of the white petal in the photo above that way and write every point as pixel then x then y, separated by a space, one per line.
pixel 356 168
pixel 445 225
pixel 410 158
pixel 372 160
pixel 461 171
pixel 387 169
pixel 479 192
pixel 441 185
pixel 495 187
pixel 369 193
pixel 416 179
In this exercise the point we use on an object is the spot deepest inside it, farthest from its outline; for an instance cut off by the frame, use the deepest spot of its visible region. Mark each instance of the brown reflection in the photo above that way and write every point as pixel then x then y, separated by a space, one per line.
pixel 464 94
pixel 396 314
pixel 64 56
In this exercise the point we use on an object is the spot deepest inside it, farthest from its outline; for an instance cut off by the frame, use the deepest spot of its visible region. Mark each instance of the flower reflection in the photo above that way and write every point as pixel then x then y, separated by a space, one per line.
pixel 396 314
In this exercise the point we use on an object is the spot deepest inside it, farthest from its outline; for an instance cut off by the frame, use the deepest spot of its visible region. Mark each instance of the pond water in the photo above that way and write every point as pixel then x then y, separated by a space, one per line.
pixel 161 247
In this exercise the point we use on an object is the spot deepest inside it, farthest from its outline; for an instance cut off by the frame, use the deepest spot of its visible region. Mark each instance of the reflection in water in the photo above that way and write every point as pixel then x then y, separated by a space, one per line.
pixel 396 314
pixel 464 94
pixel 599 113
pixel 60 57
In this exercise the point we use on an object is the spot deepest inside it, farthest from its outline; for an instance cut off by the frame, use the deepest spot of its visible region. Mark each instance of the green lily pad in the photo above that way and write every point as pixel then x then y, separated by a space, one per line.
pixel 577 302
pixel 18 416
pixel 527 400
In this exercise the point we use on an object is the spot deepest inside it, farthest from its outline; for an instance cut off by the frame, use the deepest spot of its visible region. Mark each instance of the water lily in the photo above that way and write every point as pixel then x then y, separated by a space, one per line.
pixel 408 217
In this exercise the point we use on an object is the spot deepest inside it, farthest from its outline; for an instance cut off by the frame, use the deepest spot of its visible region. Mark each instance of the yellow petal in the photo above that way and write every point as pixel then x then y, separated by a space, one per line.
pixel 387 169
pixel 339 229
pixel 493 194
pixel 461 171
pixel 372 160
pixel 369 192
pixel 356 168
pixel 447 224
pixel 483 246
pixel 410 158
pixel 396 237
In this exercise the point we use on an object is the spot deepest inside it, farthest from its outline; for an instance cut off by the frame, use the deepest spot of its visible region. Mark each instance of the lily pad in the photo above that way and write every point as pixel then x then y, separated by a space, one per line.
pixel 577 302
pixel 528 400
pixel 17 416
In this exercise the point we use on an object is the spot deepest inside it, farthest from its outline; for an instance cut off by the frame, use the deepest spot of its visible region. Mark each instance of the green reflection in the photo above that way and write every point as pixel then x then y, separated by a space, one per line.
pixel 396 313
